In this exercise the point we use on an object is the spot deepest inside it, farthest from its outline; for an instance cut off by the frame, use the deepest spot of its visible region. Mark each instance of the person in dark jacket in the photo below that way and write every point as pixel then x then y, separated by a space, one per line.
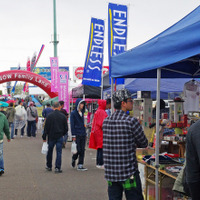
pixel 55 129
pixel 47 111
pixel 62 110
pixel 78 133
pixel 193 160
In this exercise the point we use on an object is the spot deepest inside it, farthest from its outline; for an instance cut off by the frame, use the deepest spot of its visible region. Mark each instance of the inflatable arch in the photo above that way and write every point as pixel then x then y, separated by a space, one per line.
pixel 30 77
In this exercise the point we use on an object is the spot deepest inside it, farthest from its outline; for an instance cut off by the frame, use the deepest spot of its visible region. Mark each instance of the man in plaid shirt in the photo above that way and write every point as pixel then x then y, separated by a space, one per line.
pixel 122 134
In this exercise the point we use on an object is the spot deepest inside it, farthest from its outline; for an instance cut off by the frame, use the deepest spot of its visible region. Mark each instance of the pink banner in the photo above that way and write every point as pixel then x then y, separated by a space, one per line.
pixel 54 74
pixel 63 94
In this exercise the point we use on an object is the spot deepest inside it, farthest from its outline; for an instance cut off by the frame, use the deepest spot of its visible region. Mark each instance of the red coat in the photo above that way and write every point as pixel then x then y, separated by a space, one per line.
pixel 96 136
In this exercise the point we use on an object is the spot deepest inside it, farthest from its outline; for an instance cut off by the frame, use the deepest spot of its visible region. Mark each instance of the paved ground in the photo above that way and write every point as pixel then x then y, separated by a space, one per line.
pixel 25 176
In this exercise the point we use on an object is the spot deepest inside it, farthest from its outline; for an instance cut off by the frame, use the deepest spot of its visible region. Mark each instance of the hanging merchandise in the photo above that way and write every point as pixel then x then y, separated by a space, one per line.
pixel 191 96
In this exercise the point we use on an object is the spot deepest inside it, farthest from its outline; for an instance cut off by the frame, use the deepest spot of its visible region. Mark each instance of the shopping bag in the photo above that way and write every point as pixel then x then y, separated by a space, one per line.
pixel 73 148
pixel 44 148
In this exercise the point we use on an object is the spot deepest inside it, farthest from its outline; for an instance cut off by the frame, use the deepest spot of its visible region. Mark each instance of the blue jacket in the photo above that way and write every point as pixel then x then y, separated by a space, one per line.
pixel 46 112
pixel 77 121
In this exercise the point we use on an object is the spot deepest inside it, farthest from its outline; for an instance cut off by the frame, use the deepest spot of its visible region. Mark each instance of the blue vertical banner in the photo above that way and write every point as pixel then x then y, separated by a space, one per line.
pixel 94 57
pixel 117 32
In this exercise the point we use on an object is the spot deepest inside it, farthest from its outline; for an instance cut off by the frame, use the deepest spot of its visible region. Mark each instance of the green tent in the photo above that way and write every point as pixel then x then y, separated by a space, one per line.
pixel 51 101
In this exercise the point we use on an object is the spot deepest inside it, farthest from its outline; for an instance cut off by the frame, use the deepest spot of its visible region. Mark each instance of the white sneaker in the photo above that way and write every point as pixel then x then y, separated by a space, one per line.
pixel 100 166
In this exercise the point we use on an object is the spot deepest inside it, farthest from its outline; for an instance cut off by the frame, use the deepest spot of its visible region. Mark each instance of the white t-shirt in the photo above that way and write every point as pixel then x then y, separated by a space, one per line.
pixel 191 96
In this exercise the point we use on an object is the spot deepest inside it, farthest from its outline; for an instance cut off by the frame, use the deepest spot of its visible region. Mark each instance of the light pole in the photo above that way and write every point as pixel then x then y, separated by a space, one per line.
pixel 55 42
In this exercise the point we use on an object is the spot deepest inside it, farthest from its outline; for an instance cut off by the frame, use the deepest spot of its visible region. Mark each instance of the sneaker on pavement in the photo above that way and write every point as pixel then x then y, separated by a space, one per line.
pixel 58 170
pixel 48 169
pixel 81 168
pixel 73 163
pixel 1 172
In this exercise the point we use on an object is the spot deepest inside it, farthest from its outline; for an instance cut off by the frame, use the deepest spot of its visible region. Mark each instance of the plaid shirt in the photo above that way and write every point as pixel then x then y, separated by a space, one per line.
pixel 122 134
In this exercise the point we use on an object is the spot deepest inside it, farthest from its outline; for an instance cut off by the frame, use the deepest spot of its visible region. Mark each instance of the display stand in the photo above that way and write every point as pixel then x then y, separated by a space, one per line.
pixel 142 110
pixel 150 178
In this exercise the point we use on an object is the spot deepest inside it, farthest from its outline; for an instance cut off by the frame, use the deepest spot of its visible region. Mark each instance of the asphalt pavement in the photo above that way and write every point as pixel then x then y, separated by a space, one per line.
pixel 25 176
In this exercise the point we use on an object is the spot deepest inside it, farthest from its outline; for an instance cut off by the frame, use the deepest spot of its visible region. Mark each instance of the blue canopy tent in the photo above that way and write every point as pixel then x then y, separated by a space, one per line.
pixel 174 53
pixel 169 88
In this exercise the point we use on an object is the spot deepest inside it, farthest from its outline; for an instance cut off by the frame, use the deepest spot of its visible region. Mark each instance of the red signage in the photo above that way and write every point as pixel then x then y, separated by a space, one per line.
pixel 79 72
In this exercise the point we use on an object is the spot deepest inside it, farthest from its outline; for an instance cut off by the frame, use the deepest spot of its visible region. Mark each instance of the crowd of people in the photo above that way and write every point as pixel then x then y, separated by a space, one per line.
pixel 115 136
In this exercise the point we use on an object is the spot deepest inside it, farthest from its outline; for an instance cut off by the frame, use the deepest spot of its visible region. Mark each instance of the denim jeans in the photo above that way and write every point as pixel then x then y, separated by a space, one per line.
pixel 31 128
pixel 1 156
pixel 11 125
pixel 65 137
pixel 58 144
pixel 80 141
pixel 99 160
pixel 115 191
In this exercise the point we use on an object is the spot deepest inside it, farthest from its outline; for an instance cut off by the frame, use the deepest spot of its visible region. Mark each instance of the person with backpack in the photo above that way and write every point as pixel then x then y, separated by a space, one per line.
pixel 32 114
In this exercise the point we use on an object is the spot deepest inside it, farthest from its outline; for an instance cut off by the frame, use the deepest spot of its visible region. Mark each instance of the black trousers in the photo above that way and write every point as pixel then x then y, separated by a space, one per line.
pixel 99 160
pixel 194 190
pixel 80 142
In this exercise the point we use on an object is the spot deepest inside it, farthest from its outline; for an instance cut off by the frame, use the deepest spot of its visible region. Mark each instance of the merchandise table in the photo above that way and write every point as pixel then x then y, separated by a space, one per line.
pixel 150 177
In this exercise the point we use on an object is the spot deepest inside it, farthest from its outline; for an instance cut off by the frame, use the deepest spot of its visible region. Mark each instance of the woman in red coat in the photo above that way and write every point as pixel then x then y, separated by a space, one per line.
pixel 96 137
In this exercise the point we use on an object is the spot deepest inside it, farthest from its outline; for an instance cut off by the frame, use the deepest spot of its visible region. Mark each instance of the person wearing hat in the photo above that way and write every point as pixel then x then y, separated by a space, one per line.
pixel 122 134
pixel 78 133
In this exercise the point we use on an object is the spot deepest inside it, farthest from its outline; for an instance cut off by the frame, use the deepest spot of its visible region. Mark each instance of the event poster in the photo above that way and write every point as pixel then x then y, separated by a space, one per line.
pixel 54 74
pixel 117 32
pixel 94 57
pixel 63 94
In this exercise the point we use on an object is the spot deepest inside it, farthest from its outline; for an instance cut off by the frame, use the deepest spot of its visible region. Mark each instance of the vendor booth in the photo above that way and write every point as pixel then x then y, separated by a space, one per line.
pixel 174 53
pixel 169 87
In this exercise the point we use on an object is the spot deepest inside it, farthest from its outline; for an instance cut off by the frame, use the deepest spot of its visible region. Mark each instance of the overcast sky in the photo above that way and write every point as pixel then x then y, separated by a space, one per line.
pixel 27 24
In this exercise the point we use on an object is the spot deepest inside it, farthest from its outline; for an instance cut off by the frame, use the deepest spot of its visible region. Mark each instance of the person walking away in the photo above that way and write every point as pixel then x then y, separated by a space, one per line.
pixel 55 129
pixel 78 133
pixel 62 110
pixel 32 114
pixel 122 134
pixel 108 106
pixel 4 128
pixel 193 160
pixel 20 118
pixel 10 116
pixel 96 137
pixel 47 111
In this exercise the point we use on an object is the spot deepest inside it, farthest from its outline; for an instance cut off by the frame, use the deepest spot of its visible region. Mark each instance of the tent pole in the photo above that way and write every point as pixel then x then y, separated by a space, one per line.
pixel 157 131
pixel 102 83
pixel 112 89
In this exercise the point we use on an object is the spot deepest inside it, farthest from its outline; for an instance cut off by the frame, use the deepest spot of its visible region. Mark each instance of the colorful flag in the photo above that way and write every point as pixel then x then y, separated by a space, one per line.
pixel 54 74
pixel 117 32
pixel 63 94
pixel 94 57
pixel 39 54
pixel 33 61
pixel 28 68
pixel 13 89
